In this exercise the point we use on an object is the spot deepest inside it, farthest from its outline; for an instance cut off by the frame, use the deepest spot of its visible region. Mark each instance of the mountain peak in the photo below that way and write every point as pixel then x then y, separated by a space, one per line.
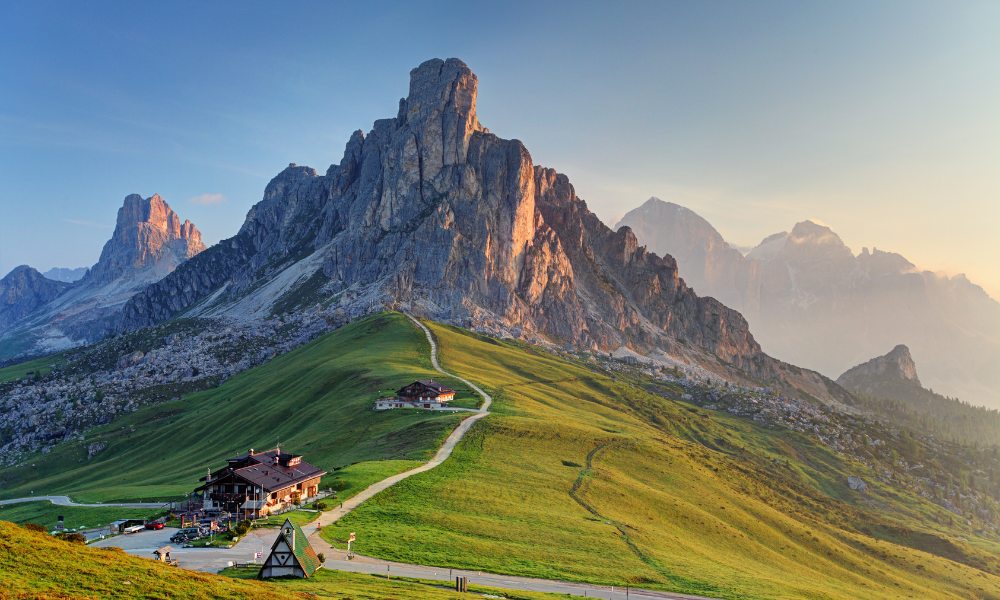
pixel 23 290
pixel 148 234
pixel 815 233
pixel 440 110
pixel 896 365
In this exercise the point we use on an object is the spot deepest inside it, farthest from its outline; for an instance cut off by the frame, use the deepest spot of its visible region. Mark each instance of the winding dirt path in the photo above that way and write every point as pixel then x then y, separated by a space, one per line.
pixel 332 516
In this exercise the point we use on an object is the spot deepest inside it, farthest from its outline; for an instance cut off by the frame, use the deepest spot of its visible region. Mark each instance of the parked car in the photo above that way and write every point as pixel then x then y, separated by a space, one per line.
pixel 186 534
pixel 154 525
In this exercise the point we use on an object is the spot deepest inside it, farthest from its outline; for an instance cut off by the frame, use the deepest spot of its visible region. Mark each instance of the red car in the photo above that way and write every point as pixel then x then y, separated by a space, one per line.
pixel 154 525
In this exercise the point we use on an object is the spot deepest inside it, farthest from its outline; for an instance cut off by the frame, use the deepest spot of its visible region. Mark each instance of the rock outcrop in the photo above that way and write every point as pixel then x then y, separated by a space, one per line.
pixel 148 236
pixel 432 212
pixel 22 291
pixel 889 369
pixel 810 299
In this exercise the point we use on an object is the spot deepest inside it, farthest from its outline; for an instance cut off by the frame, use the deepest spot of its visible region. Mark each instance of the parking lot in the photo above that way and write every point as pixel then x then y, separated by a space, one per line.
pixel 145 542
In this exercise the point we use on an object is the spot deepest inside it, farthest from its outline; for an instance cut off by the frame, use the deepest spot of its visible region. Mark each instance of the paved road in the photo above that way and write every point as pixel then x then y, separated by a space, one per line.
pixel 337 559
pixel 65 501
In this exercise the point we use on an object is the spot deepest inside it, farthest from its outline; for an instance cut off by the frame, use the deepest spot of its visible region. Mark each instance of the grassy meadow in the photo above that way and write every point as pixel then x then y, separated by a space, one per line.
pixel 579 476
pixel 575 475
pixel 316 400
pixel 76 517
pixel 41 366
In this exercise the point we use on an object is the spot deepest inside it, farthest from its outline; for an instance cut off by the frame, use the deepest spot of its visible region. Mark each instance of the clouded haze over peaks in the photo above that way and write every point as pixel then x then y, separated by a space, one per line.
pixel 878 119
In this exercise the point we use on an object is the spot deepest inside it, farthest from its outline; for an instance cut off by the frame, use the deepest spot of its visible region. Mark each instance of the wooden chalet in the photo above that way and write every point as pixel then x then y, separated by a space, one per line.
pixel 258 483
pixel 291 554
pixel 425 393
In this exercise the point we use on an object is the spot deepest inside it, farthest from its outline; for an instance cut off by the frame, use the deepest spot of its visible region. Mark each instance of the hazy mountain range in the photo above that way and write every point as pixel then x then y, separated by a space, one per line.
pixel 811 300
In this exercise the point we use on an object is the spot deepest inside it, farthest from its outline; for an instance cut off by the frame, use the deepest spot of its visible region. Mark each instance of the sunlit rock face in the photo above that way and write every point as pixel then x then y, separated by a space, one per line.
pixel 432 212
pixel 811 300
pixel 148 235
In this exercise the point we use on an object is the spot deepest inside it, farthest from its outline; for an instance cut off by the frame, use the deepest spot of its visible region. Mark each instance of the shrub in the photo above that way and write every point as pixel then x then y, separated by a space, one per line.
pixel 35 527
pixel 320 505
pixel 242 528
pixel 73 538
pixel 321 557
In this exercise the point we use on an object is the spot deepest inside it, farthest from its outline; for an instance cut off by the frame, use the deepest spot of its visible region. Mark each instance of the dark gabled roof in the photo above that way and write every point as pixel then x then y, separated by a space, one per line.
pixel 426 384
pixel 260 469
pixel 276 477
pixel 431 384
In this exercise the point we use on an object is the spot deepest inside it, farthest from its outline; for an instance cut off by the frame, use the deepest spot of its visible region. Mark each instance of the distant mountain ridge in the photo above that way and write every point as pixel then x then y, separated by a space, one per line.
pixel 22 291
pixel 149 241
pixel 64 274
pixel 810 299
pixel 888 387
pixel 432 212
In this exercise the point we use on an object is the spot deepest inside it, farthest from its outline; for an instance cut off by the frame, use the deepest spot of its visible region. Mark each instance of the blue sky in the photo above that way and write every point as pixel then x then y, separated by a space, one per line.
pixel 881 119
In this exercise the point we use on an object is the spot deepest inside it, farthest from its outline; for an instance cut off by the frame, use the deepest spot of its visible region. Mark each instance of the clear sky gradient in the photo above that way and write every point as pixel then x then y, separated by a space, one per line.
pixel 881 119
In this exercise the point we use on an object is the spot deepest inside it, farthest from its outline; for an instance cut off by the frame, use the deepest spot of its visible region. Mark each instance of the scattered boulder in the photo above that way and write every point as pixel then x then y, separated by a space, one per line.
pixel 95 448
pixel 857 484
pixel 130 360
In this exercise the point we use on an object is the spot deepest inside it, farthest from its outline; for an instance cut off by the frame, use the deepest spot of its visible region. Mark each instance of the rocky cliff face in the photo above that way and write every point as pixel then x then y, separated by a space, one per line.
pixel 148 243
pixel 22 291
pixel 810 299
pixel 432 212
pixel 148 236
pixel 889 369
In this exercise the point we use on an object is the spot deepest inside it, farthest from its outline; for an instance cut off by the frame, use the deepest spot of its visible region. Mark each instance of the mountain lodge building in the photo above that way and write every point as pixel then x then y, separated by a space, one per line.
pixel 425 393
pixel 258 483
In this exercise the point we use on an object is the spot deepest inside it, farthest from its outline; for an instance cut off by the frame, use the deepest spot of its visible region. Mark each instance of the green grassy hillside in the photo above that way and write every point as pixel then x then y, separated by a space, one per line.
pixel 37 565
pixel 579 476
pixel 315 400
pixel 576 475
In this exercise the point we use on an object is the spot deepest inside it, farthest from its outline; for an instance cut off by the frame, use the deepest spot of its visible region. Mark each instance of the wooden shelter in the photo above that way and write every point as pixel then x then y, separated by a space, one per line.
pixel 291 554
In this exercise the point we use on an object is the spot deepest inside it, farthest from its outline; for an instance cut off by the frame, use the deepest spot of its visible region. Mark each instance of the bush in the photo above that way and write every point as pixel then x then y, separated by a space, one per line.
pixel 242 528
pixel 35 527
pixel 73 538
pixel 321 557
pixel 320 505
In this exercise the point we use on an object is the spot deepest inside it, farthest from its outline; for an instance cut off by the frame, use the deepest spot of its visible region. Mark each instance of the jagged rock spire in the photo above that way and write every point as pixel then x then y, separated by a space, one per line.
pixel 148 234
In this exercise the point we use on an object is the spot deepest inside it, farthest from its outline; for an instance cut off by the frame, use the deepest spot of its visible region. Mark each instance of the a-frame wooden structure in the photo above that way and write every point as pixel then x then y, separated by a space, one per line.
pixel 291 554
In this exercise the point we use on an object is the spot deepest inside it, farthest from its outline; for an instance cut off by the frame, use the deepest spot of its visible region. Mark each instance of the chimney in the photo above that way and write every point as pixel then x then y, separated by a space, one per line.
pixel 251 451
